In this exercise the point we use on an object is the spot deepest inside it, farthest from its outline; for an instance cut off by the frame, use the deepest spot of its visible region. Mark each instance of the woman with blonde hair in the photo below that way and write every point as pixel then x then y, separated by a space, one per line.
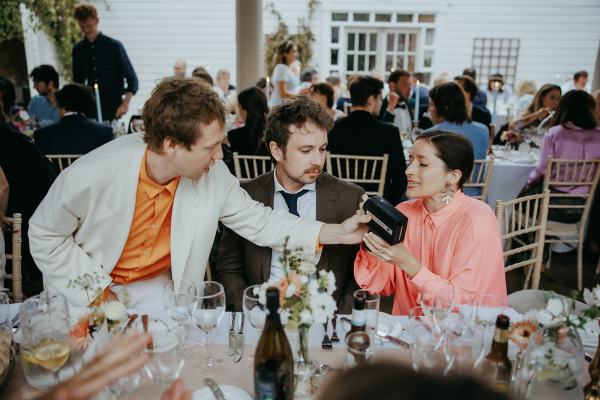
pixel 526 93
pixel 286 72
pixel 545 101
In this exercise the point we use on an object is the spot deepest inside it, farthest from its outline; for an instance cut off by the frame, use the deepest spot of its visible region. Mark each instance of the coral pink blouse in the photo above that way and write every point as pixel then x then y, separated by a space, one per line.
pixel 459 245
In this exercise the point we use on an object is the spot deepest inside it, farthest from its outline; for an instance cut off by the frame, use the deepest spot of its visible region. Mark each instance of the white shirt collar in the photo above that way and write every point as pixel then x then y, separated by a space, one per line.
pixel 278 188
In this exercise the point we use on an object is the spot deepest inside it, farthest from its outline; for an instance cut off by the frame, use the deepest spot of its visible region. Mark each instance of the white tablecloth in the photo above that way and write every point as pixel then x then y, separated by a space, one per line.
pixel 508 178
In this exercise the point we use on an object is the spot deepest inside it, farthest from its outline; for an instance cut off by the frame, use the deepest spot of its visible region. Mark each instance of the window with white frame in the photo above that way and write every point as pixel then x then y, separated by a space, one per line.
pixel 366 41
pixel 496 55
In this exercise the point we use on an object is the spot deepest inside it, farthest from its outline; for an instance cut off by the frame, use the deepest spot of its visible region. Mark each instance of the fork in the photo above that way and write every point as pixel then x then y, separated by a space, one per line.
pixel 326 343
pixel 334 336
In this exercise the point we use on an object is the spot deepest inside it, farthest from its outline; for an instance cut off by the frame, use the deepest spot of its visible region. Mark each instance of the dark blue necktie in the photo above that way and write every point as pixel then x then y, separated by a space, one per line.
pixel 291 199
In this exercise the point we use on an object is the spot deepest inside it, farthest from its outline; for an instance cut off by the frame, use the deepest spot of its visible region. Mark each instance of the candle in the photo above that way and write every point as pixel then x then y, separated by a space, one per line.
pixel 496 89
pixel 98 107
pixel 268 89
pixel 416 116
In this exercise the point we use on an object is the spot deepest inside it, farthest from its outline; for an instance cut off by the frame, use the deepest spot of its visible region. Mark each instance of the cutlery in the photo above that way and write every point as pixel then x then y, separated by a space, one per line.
pixel 231 348
pixel 214 388
pixel 588 357
pixel 334 336
pixel 239 342
pixel 393 339
pixel 15 322
pixel 130 321
pixel 326 343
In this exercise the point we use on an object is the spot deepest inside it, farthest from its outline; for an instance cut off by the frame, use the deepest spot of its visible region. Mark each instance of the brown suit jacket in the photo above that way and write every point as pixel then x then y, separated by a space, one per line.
pixel 241 263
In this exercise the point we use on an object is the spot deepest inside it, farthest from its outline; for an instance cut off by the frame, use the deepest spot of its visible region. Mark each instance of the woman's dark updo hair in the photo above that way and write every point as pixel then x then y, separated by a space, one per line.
pixel 576 107
pixel 450 102
pixel 254 102
pixel 282 50
pixel 454 150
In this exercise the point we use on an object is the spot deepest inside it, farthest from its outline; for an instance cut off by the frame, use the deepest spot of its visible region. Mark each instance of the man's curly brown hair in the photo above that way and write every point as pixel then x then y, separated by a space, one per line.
pixel 297 111
pixel 177 109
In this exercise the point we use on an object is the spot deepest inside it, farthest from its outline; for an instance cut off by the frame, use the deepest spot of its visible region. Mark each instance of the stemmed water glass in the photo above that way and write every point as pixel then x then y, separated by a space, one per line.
pixel 372 301
pixel 122 387
pixel 210 307
pixel 427 347
pixel 166 361
pixel 255 312
pixel 180 301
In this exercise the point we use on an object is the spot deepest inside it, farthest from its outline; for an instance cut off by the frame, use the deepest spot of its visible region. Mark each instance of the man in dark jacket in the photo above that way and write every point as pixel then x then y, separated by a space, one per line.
pixel 75 133
pixel 361 133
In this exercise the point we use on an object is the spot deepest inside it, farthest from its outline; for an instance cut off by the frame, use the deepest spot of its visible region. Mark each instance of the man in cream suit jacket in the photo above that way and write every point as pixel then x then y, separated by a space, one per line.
pixel 141 210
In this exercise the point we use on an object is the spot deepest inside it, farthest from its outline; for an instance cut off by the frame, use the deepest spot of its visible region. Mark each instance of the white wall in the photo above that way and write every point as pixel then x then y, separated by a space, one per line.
pixel 557 36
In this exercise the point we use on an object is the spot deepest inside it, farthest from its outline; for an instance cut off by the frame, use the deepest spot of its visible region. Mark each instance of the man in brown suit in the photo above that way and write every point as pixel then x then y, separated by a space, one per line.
pixel 296 134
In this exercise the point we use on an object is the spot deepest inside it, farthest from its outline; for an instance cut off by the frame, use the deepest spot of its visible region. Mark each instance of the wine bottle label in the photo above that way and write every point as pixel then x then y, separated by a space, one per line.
pixel 358 317
pixel 265 389
pixel 270 381
pixel 501 335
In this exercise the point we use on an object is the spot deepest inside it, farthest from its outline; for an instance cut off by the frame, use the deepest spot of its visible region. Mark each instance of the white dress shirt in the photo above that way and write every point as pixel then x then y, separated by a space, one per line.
pixel 307 208
pixel 402 119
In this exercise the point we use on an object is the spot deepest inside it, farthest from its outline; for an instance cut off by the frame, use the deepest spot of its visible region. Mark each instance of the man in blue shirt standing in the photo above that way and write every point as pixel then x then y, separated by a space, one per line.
pixel 99 59
pixel 43 107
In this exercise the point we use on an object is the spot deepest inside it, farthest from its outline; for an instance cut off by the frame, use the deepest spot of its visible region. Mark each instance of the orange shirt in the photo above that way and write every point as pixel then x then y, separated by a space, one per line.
pixel 147 252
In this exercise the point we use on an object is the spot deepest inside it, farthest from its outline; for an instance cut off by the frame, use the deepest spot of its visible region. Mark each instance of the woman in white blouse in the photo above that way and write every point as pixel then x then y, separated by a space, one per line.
pixel 286 73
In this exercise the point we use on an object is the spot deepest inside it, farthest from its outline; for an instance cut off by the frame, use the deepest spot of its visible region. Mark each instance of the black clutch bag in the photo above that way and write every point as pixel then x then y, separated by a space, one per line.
pixel 386 222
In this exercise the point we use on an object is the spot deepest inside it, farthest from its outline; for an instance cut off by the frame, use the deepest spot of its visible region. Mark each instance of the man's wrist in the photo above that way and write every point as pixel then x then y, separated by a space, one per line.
pixel 330 234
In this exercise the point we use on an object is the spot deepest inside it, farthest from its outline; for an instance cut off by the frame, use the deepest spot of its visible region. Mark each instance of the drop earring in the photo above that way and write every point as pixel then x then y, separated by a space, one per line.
pixel 447 194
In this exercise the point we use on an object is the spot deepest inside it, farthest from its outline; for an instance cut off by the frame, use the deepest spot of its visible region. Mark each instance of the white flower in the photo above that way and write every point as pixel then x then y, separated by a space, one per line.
pixel 304 279
pixel 592 297
pixel 114 310
pixel 290 291
pixel 555 306
pixel 549 320
pixel 306 317
pixel 531 315
pixel 330 283
pixel 306 268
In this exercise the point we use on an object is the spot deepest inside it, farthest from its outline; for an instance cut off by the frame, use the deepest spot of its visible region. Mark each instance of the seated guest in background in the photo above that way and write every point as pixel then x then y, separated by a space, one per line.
pixel 545 101
pixel 579 82
pixel 480 98
pixel 575 135
pixel 448 111
pixel 381 381
pixel 7 98
pixel 505 92
pixel 525 94
pixel 252 109
pixel 597 109
pixel 336 83
pixel 43 107
pixel 142 210
pixel 202 73
pixel 323 93
pixel 424 122
pixel 179 69
pixel 224 89
pixel 452 240
pixel 308 77
pixel 297 135
pixel 478 114
pixel 29 175
pixel 394 108
pixel 76 132
pixel 361 133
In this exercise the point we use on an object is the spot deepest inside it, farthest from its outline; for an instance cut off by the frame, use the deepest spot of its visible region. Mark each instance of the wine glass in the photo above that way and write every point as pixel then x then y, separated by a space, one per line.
pixel 489 306
pixel 180 301
pixel 210 307
pixel 122 387
pixel 372 301
pixel 427 349
pixel 255 312
pixel 46 344
pixel 166 361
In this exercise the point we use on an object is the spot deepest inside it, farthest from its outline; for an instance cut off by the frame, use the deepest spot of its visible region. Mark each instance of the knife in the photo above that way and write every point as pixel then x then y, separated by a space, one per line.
pixel 239 342
pixel 231 347
pixel 393 339
pixel 212 385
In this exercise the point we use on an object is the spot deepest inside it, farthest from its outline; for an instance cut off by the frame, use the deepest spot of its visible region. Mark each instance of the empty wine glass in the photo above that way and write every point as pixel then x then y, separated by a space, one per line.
pixel 372 301
pixel 210 307
pixel 166 361
pixel 255 312
pixel 180 301
pixel 427 350
pixel 122 387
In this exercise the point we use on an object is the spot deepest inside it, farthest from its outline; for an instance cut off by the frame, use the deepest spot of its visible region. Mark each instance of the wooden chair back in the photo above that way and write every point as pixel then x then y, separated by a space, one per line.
pixel 15 258
pixel 519 220
pixel 62 161
pixel 481 177
pixel 249 167
pixel 366 171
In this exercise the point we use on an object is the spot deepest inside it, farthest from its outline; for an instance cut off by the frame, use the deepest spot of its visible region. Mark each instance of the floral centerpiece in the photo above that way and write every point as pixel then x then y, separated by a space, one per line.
pixel 100 312
pixel 512 137
pixel 305 300
pixel 551 354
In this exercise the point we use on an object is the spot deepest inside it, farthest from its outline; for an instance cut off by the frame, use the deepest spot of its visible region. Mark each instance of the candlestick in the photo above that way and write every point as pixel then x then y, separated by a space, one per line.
pixel 268 90
pixel 416 116
pixel 496 87
pixel 98 107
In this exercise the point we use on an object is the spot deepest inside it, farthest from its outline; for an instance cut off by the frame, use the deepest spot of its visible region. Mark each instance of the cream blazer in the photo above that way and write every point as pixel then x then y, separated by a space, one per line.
pixel 82 224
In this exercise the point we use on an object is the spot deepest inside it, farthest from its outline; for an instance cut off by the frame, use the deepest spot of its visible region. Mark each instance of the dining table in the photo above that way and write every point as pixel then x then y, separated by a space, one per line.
pixel 239 374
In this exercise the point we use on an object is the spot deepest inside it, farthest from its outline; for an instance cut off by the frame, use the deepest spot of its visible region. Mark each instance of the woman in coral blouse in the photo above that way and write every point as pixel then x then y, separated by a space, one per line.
pixel 451 239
